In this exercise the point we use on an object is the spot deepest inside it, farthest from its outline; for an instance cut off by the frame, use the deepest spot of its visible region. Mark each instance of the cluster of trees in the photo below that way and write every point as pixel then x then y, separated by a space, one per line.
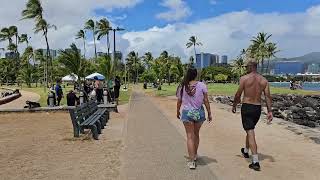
pixel 260 49
pixel 34 66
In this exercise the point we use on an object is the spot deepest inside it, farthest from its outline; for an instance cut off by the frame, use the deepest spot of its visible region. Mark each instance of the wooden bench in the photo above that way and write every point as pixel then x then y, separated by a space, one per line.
pixel 89 116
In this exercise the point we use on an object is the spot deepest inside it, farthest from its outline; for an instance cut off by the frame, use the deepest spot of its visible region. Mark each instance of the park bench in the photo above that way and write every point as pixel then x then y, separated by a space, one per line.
pixel 89 116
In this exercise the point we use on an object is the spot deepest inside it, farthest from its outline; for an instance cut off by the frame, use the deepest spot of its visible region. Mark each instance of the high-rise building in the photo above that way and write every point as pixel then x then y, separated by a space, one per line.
pixel 224 59
pixel 313 68
pixel 119 56
pixel 99 54
pixel 12 55
pixel 204 60
pixel 53 53
pixel 288 67
pixel 2 53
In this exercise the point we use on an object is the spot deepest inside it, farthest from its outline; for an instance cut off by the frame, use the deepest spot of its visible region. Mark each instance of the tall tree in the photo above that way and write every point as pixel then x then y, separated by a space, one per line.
pixel 147 60
pixel 90 25
pixel 14 30
pixel 193 42
pixel 72 61
pixel 103 28
pixel 7 34
pixel 271 53
pixel 82 35
pixel 34 11
pixel 43 26
pixel 24 38
pixel 258 49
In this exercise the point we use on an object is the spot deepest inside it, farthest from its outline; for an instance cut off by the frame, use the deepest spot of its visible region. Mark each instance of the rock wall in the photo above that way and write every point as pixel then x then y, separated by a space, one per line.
pixel 302 110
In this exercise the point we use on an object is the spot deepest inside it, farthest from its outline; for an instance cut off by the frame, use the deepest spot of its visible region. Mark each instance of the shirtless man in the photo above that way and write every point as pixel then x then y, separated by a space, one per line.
pixel 253 85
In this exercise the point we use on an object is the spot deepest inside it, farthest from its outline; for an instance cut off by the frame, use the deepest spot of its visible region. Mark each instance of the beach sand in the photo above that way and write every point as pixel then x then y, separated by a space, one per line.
pixel 41 146
pixel 285 153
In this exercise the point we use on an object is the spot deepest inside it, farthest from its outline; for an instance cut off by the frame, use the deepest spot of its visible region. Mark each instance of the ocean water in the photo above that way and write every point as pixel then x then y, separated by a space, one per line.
pixel 312 86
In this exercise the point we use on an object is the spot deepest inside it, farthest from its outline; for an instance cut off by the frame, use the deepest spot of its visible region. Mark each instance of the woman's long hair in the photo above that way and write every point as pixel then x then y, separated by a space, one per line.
pixel 189 76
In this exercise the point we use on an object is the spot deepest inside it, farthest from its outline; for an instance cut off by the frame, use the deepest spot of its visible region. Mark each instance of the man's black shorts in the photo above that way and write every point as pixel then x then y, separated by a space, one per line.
pixel 250 115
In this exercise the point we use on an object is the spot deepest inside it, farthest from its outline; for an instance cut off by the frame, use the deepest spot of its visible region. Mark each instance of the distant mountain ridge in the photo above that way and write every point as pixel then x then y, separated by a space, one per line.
pixel 310 58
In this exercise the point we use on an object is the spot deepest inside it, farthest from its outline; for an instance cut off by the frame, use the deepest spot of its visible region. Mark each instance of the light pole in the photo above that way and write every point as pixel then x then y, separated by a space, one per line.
pixel 114 44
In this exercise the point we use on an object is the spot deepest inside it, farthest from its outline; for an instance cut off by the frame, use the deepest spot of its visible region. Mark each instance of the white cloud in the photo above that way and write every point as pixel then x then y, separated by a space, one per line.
pixel 178 9
pixel 68 15
pixel 295 33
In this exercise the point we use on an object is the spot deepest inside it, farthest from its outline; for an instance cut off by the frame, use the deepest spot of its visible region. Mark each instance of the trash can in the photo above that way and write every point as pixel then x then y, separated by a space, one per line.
pixel 81 97
pixel 105 97
pixel 51 99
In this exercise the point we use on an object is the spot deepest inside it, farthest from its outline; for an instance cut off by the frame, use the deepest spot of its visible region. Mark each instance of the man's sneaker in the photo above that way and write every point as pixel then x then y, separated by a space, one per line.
pixel 255 166
pixel 245 155
pixel 192 165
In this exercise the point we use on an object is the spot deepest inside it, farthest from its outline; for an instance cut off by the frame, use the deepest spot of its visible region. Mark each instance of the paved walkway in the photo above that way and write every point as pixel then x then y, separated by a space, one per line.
pixel 21 101
pixel 154 149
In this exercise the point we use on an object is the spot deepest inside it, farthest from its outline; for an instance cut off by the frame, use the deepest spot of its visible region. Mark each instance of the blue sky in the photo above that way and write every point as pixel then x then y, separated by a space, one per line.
pixel 143 15
pixel 223 26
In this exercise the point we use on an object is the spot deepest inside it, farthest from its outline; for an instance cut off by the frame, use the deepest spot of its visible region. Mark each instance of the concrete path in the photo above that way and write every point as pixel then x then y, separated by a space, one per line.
pixel 21 101
pixel 153 147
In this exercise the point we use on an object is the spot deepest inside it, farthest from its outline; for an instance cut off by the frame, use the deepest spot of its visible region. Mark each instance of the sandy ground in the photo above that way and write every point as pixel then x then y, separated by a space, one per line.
pixel 41 146
pixel 21 101
pixel 286 152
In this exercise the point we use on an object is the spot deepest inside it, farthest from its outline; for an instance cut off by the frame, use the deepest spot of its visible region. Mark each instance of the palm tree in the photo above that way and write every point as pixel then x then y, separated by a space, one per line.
pixel 271 50
pixel 14 31
pixel 7 34
pixel 72 61
pixel 90 25
pixel 193 41
pixel 103 28
pixel 34 11
pixel 24 38
pixel 82 35
pixel 43 26
pixel 238 67
pixel 258 49
pixel 147 60
pixel 105 66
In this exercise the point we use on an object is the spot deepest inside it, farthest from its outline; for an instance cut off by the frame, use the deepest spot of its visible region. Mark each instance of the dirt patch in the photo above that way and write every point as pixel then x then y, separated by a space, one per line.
pixel 41 146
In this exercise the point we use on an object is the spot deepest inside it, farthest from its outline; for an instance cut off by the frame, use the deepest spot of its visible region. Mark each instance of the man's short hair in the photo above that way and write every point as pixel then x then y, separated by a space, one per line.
pixel 251 62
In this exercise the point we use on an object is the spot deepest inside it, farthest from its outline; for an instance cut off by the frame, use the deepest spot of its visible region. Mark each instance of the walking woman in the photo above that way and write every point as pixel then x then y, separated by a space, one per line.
pixel 192 95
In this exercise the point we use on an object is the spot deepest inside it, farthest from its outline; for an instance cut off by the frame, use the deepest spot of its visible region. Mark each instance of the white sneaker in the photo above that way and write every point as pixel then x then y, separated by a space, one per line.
pixel 192 165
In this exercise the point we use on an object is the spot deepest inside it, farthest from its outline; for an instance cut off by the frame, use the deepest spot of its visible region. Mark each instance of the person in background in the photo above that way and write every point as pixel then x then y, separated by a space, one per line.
pixel 117 85
pixel 98 86
pixel 71 98
pixel 110 91
pixel 59 92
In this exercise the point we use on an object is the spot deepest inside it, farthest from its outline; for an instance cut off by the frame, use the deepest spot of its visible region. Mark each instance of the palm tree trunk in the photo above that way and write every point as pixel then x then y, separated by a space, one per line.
pixel 84 48
pixel 108 44
pixel 95 47
pixel 262 65
pixel 195 55
pixel 49 61
pixel 268 66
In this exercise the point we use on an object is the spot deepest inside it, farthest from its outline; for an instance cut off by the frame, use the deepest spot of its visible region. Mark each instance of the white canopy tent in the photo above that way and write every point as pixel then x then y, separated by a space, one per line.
pixel 99 76
pixel 70 78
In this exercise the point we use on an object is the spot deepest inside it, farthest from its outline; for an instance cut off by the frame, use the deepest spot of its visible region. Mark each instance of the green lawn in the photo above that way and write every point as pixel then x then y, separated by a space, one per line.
pixel 123 99
pixel 224 89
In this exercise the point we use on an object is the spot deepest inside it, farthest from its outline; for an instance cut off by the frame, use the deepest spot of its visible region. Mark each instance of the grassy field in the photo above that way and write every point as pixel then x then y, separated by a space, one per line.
pixel 224 89
pixel 123 99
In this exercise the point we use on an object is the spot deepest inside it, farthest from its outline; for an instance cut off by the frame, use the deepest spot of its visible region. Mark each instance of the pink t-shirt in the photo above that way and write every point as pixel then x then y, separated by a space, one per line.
pixel 195 101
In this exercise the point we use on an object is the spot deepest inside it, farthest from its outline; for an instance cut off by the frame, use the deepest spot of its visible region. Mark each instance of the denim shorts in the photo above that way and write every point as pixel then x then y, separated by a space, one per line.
pixel 194 115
